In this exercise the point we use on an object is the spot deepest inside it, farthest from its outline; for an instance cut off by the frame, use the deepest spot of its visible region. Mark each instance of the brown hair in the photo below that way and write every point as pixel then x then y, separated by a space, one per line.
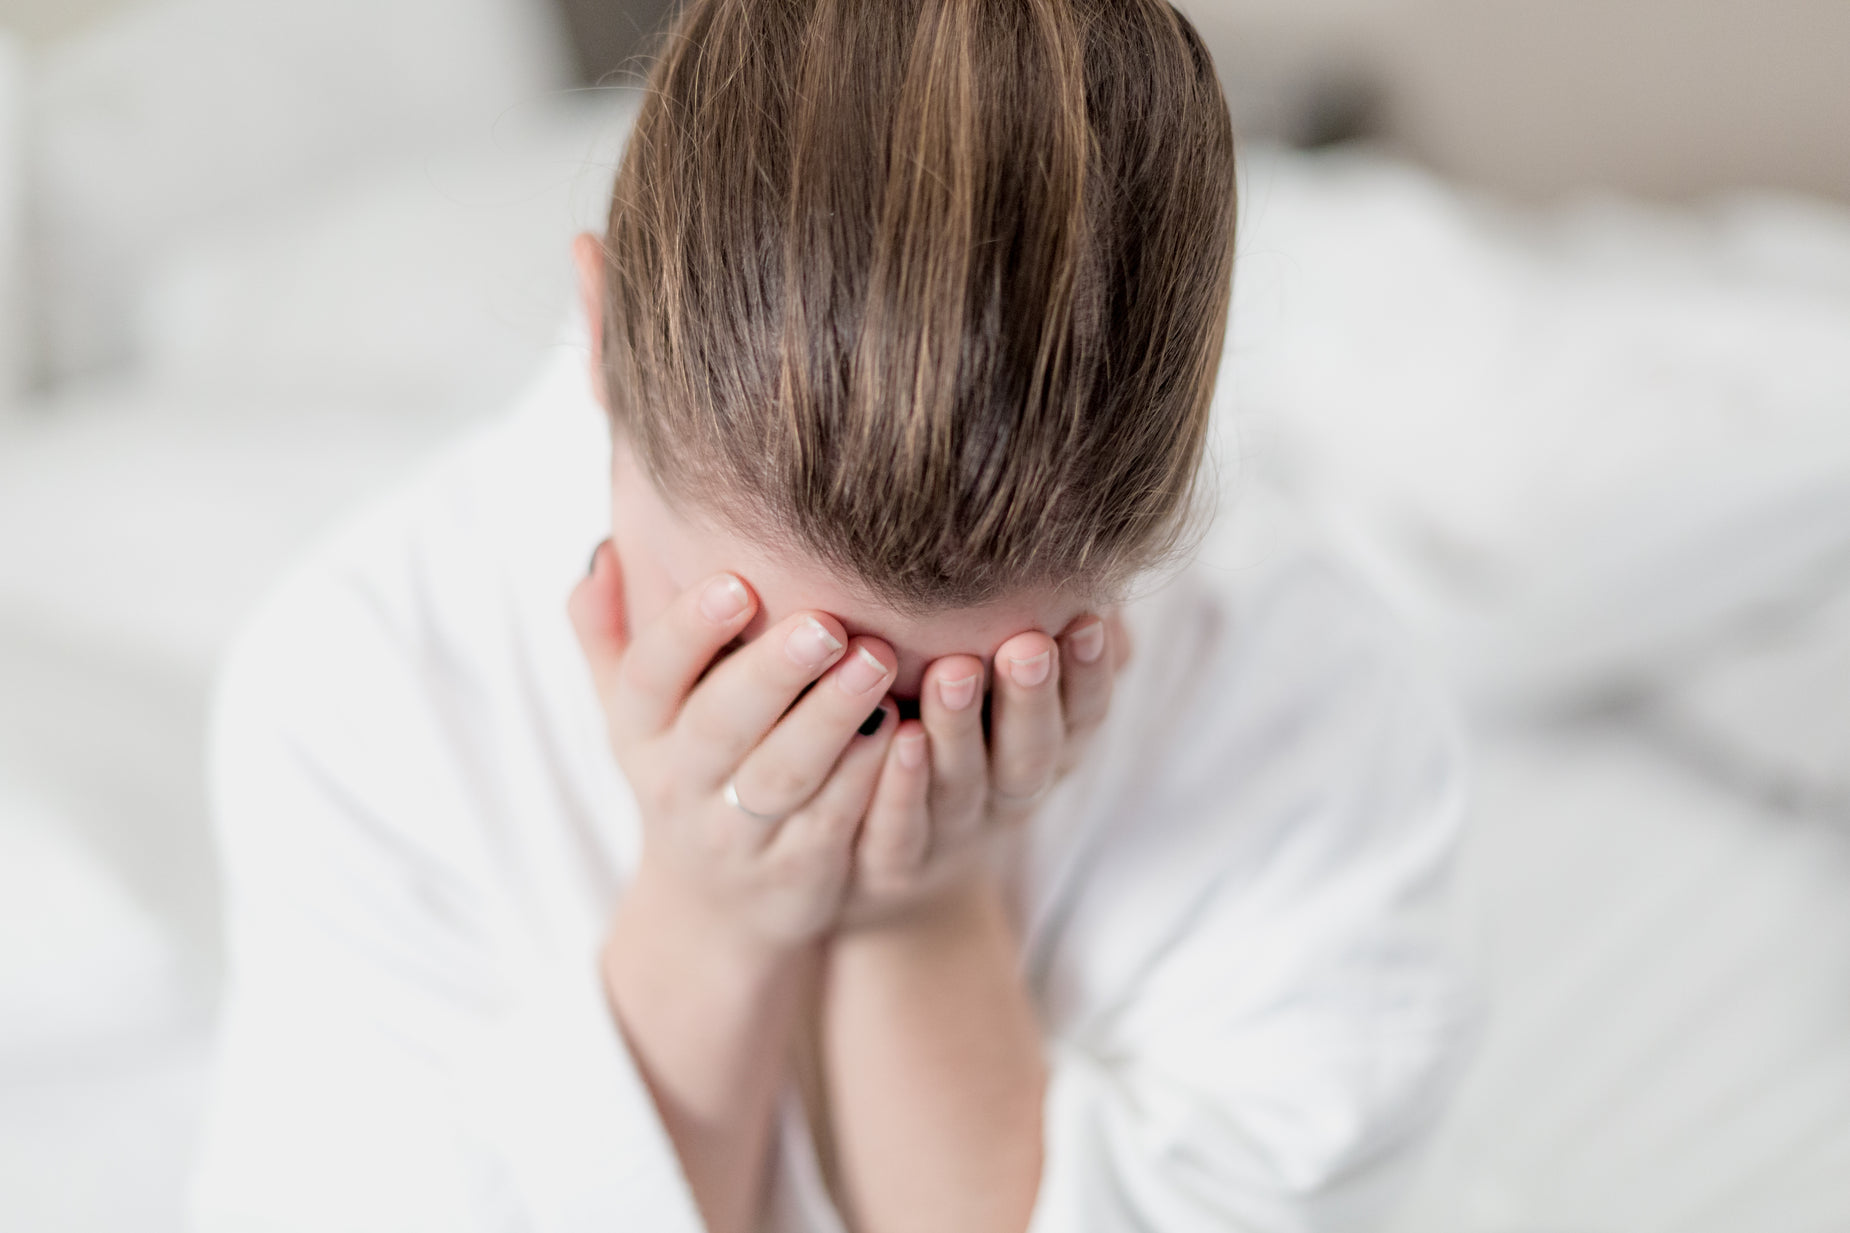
pixel 934 289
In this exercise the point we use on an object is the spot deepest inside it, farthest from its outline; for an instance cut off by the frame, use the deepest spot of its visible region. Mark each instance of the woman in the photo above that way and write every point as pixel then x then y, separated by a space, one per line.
pixel 837 865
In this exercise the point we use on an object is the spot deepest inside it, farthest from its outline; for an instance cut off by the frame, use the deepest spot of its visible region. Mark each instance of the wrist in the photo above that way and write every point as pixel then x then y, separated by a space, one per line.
pixel 687 936
pixel 707 1011
pixel 970 905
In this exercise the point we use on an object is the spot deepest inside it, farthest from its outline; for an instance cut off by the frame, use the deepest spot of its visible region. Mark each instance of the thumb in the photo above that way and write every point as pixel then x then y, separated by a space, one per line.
pixel 598 616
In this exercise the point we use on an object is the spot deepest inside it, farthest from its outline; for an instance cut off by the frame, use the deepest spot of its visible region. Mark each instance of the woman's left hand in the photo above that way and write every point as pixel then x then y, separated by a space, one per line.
pixel 944 793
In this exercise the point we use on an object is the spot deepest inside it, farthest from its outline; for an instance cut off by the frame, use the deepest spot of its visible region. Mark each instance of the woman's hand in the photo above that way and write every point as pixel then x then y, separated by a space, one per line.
pixel 683 726
pixel 944 793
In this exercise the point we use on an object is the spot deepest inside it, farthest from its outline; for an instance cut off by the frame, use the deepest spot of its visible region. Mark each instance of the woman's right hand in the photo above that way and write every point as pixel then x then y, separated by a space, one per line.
pixel 682 727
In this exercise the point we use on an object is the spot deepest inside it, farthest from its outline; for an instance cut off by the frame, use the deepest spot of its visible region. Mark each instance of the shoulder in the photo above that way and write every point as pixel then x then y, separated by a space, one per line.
pixel 377 667
pixel 1281 781
pixel 1257 904
pixel 432 574
pixel 1289 675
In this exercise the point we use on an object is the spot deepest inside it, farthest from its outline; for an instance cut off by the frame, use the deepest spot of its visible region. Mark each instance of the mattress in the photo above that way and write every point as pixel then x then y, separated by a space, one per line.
pixel 1668 963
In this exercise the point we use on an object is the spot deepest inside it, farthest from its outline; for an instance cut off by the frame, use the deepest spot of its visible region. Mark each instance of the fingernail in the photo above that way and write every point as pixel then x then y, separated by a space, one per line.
pixel 862 672
pixel 1033 670
pixel 912 751
pixel 591 565
pixel 723 599
pixel 958 694
pixel 1087 642
pixel 810 644
pixel 872 723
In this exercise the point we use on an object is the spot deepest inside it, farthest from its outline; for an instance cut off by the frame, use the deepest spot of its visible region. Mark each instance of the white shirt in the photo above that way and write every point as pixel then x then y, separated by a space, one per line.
pixel 1229 911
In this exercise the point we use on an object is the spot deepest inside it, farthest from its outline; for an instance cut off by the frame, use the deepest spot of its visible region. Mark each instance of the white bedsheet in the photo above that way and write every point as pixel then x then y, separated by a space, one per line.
pixel 1669 966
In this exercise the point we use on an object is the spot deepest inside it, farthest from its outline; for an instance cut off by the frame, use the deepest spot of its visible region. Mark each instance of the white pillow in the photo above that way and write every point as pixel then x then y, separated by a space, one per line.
pixel 80 961
pixel 1774 710
pixel 436 281
pixel 1669 1042
pixel 189 502
pixel 160 124
pixel 1574 444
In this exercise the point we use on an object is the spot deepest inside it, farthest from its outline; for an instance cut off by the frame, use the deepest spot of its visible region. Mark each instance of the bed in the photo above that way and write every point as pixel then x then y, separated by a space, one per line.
pixel 1598 455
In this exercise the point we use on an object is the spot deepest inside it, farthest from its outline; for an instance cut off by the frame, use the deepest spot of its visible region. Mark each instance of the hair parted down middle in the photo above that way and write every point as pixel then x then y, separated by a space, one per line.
pixel 933 290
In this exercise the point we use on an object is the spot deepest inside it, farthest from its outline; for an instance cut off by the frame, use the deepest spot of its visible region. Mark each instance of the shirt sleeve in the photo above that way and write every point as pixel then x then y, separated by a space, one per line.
pixel 393 1055
pixel 1257 1010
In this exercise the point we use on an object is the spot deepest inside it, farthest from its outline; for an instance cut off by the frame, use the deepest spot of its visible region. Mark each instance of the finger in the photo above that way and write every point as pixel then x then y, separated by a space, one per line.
pixel 951 708
pixel 1120 640
pixel 596 611
pixel 790 763
pixel 730 711
pixel 1085 675
pixel 1026 729
pixel 830 819
pixel 669 654
pixel 895 839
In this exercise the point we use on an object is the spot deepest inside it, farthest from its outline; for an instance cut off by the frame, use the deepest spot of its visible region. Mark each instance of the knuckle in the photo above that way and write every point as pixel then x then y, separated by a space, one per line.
pixel 713 843
pixel 887 881
pixel 890 865
pixel 654 792
pixel 641 674
pixel 704 728
pixel 1035 771
pixel 954 732
pixel 893 834
pixel 816 846
pixel 1094 681
pixel 782 783
pixel 957 730
pixel 955 775
pixel 838 824
pixel 1027 773
pixel 958 801
pixel 1031 744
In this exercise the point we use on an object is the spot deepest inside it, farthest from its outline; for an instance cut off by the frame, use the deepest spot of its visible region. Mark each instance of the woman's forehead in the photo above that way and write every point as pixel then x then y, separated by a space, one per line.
pixel 788 585
pixel 786 580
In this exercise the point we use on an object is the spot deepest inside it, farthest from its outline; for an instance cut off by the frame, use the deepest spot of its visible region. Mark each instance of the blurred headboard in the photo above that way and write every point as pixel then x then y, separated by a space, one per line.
pixel 1534 97
pixel 41 20
pixel 1664 98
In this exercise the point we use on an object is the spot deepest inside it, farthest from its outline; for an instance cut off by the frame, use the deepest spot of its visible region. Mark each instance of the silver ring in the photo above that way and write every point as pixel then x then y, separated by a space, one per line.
pixel 732 798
